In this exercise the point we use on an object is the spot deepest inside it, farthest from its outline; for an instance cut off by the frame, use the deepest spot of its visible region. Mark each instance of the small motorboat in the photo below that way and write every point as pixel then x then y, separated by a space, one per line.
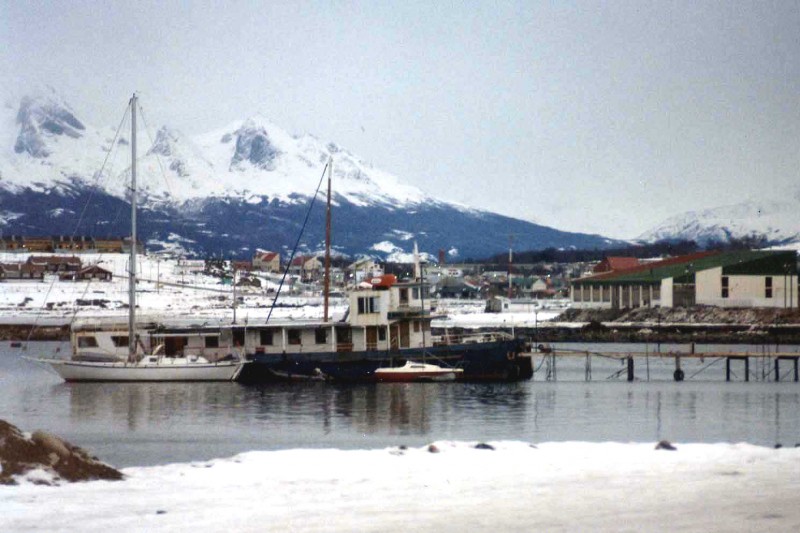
pixel 414 371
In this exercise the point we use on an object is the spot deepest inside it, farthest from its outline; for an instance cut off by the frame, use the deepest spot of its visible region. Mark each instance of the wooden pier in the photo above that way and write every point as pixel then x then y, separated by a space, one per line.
pixel 550 357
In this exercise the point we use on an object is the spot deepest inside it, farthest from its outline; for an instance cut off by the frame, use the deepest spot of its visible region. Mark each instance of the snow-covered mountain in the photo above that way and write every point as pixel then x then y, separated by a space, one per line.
pixel 776 220
pixel 228 191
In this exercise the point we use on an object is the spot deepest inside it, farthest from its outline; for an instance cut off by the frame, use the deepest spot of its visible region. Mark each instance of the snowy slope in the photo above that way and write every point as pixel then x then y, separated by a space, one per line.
pixel 44 142
pixel 777 220
pixel 229 191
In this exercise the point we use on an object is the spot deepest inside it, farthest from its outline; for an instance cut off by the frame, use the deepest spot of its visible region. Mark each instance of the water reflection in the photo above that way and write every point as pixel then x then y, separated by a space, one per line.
pixel 140 423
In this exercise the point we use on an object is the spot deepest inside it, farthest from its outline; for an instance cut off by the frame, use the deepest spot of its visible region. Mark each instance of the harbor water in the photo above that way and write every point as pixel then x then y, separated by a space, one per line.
pixel 128 424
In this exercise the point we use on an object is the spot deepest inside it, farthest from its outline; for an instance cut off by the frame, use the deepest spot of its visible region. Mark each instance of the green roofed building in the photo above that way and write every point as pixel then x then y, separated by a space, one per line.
pixel 725 279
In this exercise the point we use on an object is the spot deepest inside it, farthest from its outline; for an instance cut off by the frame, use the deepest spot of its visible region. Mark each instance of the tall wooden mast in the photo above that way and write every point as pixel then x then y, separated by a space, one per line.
pixel 132 336
pixel 327 286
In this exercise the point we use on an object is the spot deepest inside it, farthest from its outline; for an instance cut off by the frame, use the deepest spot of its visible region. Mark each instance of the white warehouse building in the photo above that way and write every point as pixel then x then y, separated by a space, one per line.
pixel 724 279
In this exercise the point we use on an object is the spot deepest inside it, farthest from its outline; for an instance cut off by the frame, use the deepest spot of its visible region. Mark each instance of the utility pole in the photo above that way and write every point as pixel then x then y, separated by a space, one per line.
pixel 510 260
pixel 233 282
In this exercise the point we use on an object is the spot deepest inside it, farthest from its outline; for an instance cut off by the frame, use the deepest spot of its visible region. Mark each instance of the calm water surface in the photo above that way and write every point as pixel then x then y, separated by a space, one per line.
pixel 145 424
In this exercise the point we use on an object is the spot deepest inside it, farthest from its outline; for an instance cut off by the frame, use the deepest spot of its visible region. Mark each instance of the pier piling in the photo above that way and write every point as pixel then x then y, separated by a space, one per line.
pixel 777 367
pixel 630 368
pixel 737 358
pixel 678 375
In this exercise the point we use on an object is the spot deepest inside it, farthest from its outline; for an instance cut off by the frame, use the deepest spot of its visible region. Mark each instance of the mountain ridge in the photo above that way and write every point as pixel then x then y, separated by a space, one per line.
pixel 229 191
pixel 775 220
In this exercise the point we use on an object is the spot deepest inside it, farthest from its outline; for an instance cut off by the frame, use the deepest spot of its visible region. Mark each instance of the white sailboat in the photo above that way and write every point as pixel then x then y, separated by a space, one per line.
pixel 139 365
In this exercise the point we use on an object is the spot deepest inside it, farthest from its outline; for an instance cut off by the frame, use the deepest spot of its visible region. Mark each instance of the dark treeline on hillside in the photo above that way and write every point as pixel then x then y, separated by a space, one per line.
pixel 657 249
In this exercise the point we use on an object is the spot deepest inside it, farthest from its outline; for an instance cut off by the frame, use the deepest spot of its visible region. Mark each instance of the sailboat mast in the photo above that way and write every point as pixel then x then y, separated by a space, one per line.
pixel 132 337
pixel 327 286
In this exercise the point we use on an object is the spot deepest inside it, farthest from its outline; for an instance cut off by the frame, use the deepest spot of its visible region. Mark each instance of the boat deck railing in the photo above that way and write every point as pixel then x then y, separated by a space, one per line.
pixel 448 339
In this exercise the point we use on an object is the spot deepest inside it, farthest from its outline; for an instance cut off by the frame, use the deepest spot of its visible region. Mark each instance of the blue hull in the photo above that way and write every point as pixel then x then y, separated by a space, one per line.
pixel 491 361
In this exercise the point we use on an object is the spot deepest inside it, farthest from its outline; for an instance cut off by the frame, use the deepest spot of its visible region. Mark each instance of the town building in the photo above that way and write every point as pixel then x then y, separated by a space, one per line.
pixel 363 270
pixel 91 272
pixel 308 268
pixel 56 263
pixel 724 279
pixel 615 264
pixel 267 261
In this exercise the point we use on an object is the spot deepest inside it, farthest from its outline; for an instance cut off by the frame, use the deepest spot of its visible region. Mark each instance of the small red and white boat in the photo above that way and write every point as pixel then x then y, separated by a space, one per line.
pixel 413 371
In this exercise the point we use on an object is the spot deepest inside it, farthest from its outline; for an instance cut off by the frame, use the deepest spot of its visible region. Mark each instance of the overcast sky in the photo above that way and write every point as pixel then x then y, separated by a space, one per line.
pixel 601 117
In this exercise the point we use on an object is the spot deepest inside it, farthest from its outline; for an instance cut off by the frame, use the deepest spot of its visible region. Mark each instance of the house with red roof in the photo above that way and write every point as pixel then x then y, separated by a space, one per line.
pixel 615 264
pixel 267 261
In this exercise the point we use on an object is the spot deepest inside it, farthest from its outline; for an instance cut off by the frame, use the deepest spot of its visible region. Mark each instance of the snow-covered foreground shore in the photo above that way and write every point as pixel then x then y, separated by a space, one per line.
pixel 567 486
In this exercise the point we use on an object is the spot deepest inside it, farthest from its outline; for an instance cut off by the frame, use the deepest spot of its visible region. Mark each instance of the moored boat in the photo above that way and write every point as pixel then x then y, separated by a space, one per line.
pixel 386 326
pixel 112 353
pixel 413 371
pixel 150 368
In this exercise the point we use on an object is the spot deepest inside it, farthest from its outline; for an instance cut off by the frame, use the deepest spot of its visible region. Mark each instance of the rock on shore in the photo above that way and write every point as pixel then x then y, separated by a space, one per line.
pixel 46 459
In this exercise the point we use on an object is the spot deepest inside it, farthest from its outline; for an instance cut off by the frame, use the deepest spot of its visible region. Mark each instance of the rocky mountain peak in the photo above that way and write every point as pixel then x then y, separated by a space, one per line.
pixel 253 145
pixel 41 117
pixel 164 143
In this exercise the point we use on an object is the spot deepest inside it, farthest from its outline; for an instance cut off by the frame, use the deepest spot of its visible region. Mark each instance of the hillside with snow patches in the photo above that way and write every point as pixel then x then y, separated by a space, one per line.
pixel 228 192
pixel 776 220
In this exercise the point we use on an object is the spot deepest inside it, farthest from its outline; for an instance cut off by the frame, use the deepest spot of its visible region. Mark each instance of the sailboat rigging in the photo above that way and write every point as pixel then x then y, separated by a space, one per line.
pixel 151 365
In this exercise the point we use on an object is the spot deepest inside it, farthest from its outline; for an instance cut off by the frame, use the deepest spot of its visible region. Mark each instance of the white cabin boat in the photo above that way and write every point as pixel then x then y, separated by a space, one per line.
pixel 413 371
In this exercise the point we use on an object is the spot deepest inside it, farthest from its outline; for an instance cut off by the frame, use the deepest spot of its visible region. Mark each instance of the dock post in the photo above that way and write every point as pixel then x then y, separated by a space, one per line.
pixel 630 368
pixel 588 368
pixel 737 358
pixel 778 372
pixel 678 375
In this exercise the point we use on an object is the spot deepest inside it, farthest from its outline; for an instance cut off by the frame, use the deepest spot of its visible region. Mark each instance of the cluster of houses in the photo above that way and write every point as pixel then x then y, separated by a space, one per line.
pixel 461 281
pixel 742 278
pixel 67 268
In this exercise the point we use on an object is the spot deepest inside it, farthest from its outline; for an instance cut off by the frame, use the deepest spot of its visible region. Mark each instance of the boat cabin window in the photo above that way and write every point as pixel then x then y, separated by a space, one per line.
pixel 344 335
pixel 238 337
pixel 120 341
pixel 381 334
pixel 321 335
pixel 403 296
pixel 212 342
pixel 367 304
pixel 293 336
pixel 87 342
pixel 266 337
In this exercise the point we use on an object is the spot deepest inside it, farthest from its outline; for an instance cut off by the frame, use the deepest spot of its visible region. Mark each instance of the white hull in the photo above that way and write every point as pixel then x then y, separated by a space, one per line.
pixel 190 371
pixel 418 372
